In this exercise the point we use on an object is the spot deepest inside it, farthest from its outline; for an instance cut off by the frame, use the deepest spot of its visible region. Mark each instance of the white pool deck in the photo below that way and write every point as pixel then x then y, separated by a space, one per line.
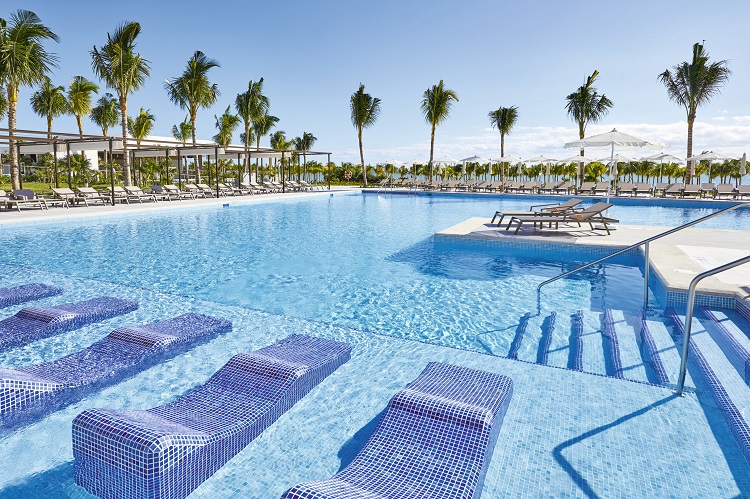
pixel 676 258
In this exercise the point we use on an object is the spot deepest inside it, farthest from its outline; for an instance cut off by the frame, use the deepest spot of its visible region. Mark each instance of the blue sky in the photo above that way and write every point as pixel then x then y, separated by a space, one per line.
pixel 531 54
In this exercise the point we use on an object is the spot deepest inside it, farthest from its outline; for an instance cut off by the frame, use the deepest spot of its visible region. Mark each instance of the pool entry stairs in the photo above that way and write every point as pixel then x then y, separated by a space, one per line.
pixel 646 349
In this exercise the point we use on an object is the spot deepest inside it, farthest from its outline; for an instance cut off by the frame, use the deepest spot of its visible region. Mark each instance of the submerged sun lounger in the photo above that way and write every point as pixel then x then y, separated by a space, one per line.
pixel 29 393
pixel 26 292
pixel 167 451
pixel 434 440
pixel 34 323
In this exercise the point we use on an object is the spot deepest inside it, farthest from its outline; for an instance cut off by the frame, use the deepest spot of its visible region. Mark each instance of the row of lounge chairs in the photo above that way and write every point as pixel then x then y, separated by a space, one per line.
pixel 587 188
pixel 86 196
pixel 435 438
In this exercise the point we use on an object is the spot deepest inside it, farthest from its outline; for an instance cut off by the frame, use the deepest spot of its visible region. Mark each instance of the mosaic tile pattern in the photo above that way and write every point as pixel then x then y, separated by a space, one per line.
pixel 435 439
pixel 743 308
pixel 31 392
pixel 650 353
pixel 518 339
pixel 167 451
pixel 34 323
pixel 547 335
pixel 734 418
pixel 614 347
pixel 575 360
pixel 26 292
pixel 737 349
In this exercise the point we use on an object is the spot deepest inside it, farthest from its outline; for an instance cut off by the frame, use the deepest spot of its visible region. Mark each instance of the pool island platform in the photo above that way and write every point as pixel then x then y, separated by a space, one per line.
pixel 675 259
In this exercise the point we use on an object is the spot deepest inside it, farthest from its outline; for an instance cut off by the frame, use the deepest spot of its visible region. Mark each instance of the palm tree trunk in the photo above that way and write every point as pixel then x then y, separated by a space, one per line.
pixel 15 171
pixel 432 148
pixel 688 172
pixel 362 157
pixel 49 128
pixel 502 155
pixel 247 148
pixel 80 125
pixel 126 159
pixel 199 158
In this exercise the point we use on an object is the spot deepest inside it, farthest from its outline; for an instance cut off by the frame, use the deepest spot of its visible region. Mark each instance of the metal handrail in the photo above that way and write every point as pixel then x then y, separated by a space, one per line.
pixel 646 252
pixel 689 314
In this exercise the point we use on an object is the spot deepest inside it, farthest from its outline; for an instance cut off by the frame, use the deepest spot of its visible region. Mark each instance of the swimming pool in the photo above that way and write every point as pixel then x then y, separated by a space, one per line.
pixel 336 265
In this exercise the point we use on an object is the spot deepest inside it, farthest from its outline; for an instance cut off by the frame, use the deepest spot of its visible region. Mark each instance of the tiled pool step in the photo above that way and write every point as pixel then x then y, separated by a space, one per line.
pixel 718 375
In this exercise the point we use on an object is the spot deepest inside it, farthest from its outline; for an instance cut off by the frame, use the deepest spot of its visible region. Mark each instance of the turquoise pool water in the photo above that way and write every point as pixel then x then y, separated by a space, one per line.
pixel 343 266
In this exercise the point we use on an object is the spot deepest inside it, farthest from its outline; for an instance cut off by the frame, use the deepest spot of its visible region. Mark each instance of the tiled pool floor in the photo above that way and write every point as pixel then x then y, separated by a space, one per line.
pixel 566 433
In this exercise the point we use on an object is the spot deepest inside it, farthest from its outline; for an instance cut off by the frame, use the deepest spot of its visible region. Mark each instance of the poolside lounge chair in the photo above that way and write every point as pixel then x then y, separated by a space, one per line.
pixel 434 440
pixel 450 185
pixel 173 190
pixel 743 190
pixel 592 214
pixel 34 391
pixel 196 191
pixel 227 190
pixel 34 323
pixel 691 190
pixel 513 186
pixel 121 194
pixel 68 196
pixel 161 193
pixel 210 191
pixel 660 188
pixel 92 195
pixel 530 187
pixel 586 188
pixel 707 188
pixel 167 451
pixel 564 188
pixel 642 188
pixel 625 188
pixel 601 188
pixel 478 186
pixel 550 187
pixel 26 292
pixel 546 209
pixel 272 187
pixel 674 190
pixel 727 190
pixel 255 188
pixel 137 194
pixel 25 197
pixel 494 186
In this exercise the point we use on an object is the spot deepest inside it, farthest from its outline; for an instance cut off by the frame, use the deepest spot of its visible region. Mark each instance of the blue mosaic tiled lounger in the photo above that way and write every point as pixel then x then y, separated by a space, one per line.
pixel 26 292
pixel 167 451
pixel 434 440
pixel 34 323
pixel 30 392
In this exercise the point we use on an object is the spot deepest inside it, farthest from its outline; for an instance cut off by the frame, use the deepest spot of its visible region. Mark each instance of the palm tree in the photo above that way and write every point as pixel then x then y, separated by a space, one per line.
pixel 105 113
pixel 79 99
pixel 436 107
pixel 141 126
pixel 3 103
pixel 182 132
pixel 192 90
pixel 691 84
pixel 585 106
pixel 124 71
pixel 262 126
pixel 504 119
pixel 225 126
pixel 280 143
pixel 49 102
pixel 23 62
pixel 365 112
pixel 306 142
pixel 251 105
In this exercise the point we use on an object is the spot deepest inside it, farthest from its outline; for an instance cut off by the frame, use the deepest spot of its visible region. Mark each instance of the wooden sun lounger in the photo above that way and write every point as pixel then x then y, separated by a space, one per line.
pixel 592 214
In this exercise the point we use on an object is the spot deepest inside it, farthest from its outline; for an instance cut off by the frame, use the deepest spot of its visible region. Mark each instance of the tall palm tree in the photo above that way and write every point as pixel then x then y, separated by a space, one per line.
pixel 23 62
pixel 225 126
pixel 3 103
pixel 365 112
pixel 280 143
pixel 262 126
pixel 504 119
pixel 691 84
pixel 123 70
pixel 192 90
pixel 140 128
pixel 585 106
pixel 436 107
pixel 182 132
pixel 251 105
pixel 49 102
pixel 105 114
pixel 306 142
pixel 79 99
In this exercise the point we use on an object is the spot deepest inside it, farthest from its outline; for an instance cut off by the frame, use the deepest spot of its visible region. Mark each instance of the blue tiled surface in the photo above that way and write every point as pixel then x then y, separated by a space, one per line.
pixel 614 348
pixel 435 439
pixel 650 353
pixel 167 451
pixel 33 323
pixel 26 292
pixel 32 391
pixel 732 344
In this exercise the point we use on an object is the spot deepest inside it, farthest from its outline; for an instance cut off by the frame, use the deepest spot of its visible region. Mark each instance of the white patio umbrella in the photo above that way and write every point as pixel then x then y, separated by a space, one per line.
pixel 393 162
pixel 661 158
pixel 613 161
pixel 472 159
pixel 743 167
pixel 540 160
pixel 445 160
pixel 615 139
pixel 709 156
pixel 511 160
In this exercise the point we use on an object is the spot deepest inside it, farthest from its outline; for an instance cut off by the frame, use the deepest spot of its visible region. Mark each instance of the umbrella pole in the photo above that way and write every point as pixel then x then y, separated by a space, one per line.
pixel 611 160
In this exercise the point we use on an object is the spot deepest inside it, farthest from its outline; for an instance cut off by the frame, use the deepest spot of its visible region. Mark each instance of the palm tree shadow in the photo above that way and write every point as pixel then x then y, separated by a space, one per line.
pixel 354 445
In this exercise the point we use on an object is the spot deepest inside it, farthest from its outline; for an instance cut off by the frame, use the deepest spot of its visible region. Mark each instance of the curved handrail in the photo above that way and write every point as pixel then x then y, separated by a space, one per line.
pixel 689 314
pixel 639 243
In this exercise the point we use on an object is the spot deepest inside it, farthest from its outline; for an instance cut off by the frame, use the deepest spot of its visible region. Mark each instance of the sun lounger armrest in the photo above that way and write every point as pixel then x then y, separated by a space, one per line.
pixel 531 208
